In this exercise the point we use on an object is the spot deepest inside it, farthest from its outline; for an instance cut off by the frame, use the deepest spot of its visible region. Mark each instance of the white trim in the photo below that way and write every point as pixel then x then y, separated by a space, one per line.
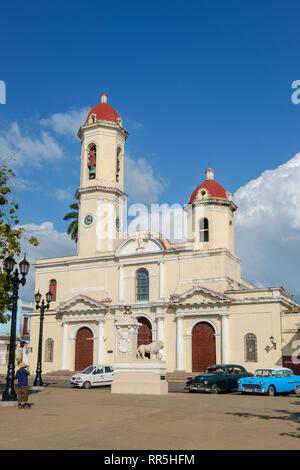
pixel 202 320
pixel 68 303
pixel 142 314
pixel 78 327
pixel 76 260
pixel 87 289
pixel 199 289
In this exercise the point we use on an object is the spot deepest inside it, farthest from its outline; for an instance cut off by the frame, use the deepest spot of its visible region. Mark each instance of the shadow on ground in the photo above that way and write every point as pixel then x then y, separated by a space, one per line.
pixel 283 415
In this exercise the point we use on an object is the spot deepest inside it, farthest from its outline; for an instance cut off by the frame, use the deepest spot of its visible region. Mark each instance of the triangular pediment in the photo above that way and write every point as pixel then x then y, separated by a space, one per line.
pixel 142 242
pixel 198 295
pixel 81 303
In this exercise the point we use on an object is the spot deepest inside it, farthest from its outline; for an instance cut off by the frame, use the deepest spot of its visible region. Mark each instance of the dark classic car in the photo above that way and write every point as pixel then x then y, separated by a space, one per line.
pixel 218 378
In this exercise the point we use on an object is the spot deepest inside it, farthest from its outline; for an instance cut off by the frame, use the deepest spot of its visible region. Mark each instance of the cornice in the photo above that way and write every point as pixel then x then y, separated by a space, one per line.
pixel 166 256
pixel 213 202
pixel 100 189
pixel 101 123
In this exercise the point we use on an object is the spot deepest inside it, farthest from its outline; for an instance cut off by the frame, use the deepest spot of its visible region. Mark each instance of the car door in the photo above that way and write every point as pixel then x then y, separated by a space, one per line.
pixel 98 376
pixel 108 374
pixel 290 382
pixel 234 376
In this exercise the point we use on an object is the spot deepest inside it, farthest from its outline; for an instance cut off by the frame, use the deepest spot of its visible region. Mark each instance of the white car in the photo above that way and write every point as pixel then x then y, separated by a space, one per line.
pixel 93 376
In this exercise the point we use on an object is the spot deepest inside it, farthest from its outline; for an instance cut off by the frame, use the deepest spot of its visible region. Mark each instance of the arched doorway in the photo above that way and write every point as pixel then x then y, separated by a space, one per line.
pixel 144 332
pixel 203 347
pixel 84 348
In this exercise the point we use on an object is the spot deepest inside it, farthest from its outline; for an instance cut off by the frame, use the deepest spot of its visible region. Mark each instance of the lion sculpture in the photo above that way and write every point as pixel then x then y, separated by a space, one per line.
pixel 152 348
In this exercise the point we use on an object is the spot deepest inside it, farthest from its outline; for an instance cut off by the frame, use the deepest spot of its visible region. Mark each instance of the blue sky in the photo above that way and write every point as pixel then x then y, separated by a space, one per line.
pixel 197 83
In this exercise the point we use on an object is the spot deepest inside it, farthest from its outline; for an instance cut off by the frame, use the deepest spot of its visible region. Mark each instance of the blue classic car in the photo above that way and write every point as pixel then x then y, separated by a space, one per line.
pixel 269 381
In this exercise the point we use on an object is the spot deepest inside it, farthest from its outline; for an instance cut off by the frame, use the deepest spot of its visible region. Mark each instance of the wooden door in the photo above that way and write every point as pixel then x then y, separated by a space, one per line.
pixel 84 349
pixel 203 347
pixel 145 332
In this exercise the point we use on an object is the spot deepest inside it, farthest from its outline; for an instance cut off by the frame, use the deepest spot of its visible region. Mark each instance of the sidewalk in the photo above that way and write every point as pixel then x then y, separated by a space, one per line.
pixel 67 418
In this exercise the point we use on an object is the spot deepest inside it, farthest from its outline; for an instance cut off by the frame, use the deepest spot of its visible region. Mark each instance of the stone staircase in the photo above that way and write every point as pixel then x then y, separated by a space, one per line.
pixel 61 373
pixel 179 375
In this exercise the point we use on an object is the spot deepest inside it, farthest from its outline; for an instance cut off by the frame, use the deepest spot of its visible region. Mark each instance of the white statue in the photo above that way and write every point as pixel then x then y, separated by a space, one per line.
pixel 152 348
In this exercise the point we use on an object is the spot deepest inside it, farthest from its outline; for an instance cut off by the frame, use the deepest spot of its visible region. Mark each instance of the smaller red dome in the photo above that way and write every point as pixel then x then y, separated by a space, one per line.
pixel 213 188
pixel 104 111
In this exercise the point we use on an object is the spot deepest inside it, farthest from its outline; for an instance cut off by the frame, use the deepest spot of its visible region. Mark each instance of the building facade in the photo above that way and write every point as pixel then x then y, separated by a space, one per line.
pixel 188 294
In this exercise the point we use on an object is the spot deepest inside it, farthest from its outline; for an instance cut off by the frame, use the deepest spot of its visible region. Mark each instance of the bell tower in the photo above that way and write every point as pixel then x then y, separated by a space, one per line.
pixel 210 216
pixel 101 193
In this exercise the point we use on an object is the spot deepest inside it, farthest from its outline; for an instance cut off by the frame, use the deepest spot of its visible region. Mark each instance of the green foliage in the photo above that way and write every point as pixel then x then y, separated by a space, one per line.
pixel 11 235
pixel 73 227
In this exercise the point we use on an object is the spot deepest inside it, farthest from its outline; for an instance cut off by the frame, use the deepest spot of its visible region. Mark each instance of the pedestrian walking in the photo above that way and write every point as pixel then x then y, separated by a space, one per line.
pixel 23 390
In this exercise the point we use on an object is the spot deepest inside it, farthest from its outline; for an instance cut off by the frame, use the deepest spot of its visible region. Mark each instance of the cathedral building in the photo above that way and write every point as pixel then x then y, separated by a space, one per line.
pixel 190 294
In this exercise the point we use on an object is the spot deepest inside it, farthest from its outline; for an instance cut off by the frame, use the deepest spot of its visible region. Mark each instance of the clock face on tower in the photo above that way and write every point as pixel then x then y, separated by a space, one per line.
pixel 88 220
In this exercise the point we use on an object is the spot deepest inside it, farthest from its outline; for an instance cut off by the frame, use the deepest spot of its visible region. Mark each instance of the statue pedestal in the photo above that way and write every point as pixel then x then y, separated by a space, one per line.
pixel 141 377
pixel 133 375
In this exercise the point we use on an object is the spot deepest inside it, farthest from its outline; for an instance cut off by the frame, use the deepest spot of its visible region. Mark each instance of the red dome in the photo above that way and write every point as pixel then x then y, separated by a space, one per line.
pixel 104 111
pixel 213 188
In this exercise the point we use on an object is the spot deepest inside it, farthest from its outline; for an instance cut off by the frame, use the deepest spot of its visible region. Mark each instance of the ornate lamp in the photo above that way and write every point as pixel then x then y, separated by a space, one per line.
pixel 38 382
pixel 9 263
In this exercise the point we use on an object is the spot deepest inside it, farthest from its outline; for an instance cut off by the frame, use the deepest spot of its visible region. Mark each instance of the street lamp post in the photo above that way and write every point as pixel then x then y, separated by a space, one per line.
pixel 38 382
pixel 9 263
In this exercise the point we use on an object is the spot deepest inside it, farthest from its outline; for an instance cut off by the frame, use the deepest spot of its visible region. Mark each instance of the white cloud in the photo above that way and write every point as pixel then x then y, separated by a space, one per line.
pixel 267 227
pixel 66 194
pixel 66 123
pixel 141 183
pixel 52 244
pixel 28 150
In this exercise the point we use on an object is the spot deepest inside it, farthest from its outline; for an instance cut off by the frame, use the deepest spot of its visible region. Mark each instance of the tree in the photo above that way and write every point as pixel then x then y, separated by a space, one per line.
pixel 11 234
pixel 73 227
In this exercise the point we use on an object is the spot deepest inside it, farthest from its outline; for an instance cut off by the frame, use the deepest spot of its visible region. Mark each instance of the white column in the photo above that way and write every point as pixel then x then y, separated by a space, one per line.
pixel 160 326
pixel 160 329
pixel 225 340
pixel 161 280
pixel 64 346
pixel 100 341
pixel 121 283
pixel 179 342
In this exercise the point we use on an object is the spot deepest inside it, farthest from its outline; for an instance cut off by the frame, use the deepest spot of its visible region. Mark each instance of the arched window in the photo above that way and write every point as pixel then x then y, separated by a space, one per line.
pixel 92 157
pixel 52 289
pixel 49 349
pixel 142 284
pixel 250 348
pixel 203 230
pixel 118 164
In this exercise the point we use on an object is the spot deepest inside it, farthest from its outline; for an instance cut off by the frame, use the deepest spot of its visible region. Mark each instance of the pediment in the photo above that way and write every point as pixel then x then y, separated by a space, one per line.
pixel 142 242
pixel 81 303
pixel 198 295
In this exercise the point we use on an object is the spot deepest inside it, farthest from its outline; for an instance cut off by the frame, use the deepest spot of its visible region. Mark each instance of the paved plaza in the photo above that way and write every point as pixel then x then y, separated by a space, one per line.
pixel 68 418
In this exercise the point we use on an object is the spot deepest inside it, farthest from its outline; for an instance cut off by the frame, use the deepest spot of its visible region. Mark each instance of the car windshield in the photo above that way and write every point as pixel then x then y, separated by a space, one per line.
pixel 265 373
pixel 88 370
pixel 215 370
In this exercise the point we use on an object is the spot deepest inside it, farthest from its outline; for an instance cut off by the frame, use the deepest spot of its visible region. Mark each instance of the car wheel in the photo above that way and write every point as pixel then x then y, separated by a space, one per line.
pixel 86 385
pixel 192 391
pixel 271 391
pixel 297 390
pixel 215 389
